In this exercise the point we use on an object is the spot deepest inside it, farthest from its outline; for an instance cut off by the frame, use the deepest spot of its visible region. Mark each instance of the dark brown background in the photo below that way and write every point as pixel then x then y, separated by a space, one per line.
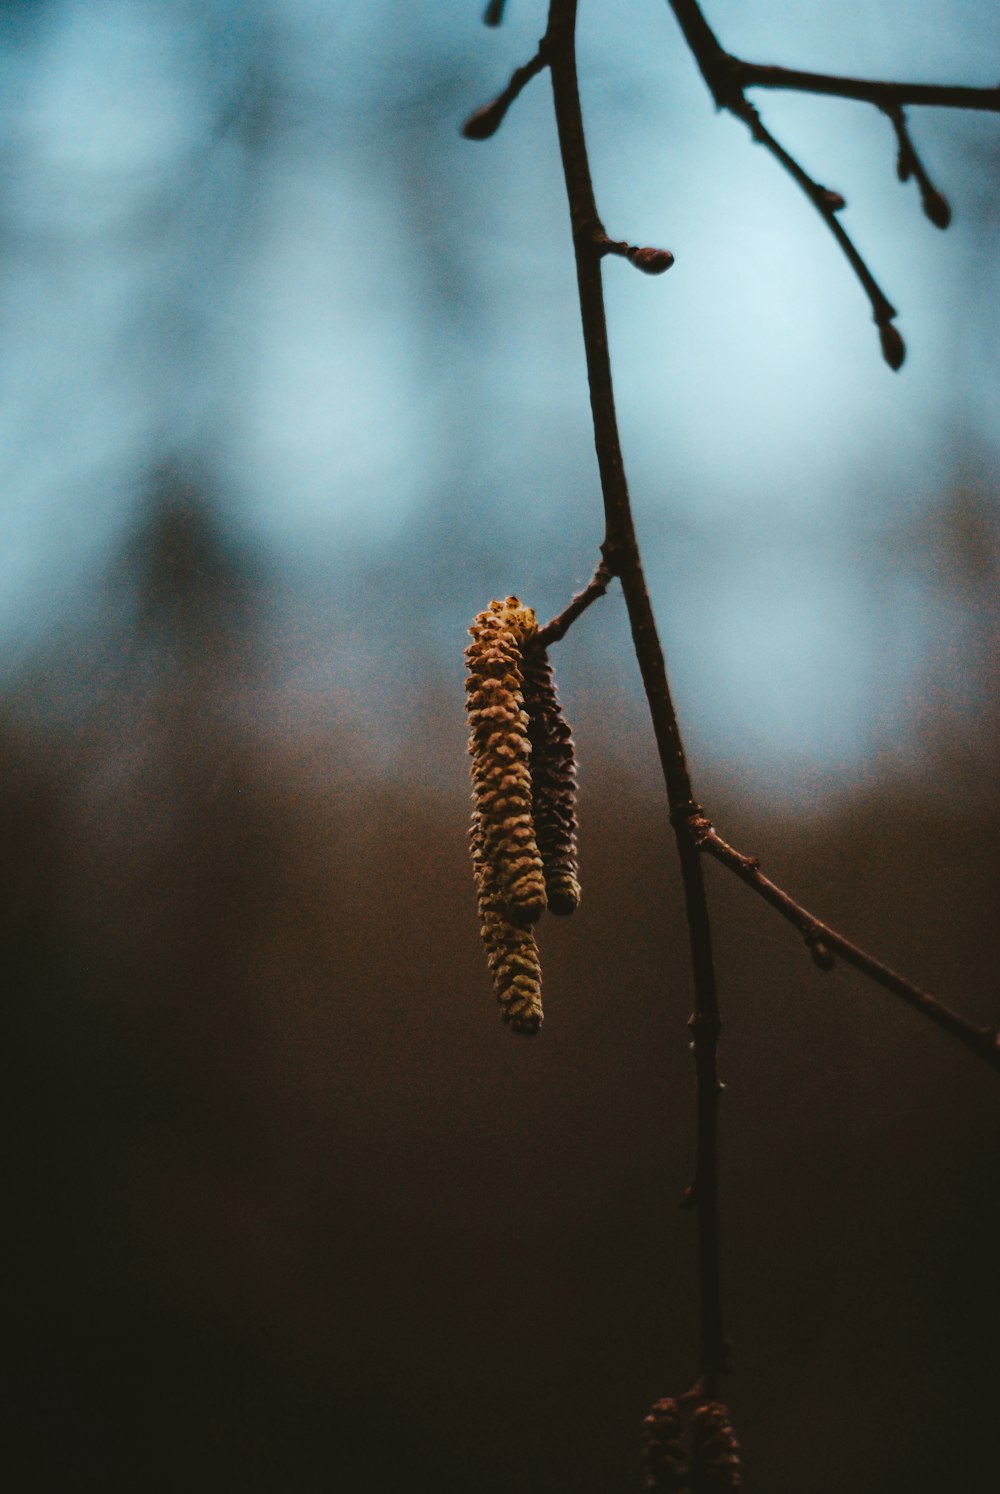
pixel 288 1208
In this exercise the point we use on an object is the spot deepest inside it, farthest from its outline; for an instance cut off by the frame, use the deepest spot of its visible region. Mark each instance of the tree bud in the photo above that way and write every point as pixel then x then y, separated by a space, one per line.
pixel 484 122
pixel 893 346
pixel 936 207
pixel 650 261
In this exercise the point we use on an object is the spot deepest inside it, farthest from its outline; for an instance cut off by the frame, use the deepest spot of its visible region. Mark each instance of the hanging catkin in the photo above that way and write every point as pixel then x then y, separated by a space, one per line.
pixel 510 884
pixel 511 952
pixel 498 742
pixel 715 1458
pixel 663 1449
pixel 553 782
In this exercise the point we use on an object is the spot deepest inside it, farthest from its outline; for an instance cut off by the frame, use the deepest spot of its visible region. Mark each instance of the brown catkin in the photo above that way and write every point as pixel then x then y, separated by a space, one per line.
pixel 715 1458
pixel 511 951
pixel 498 742
pixel 510 883
pixel 553 782
pixel 663 1449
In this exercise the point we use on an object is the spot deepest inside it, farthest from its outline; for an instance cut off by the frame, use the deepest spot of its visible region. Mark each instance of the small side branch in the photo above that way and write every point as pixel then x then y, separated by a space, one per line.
pixel 865 91
pixel 824 942
pixel 828 204
pixel 560 625
pixel 728 77
pixel 650 261
pixel 485 121
pixel 908 164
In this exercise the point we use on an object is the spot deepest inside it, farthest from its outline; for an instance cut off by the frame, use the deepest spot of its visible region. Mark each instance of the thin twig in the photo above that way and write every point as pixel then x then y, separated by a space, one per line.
pixel 727 75
pixel 908 164
pixel 819 936
pixel 621 552
pixel 651 261
pixel 560 625
pixel 722 73
pixel 828 204
pixel 484 122
pixel 866 91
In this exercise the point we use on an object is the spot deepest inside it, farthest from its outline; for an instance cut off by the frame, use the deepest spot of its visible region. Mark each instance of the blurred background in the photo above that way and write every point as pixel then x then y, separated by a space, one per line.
pixel 292 385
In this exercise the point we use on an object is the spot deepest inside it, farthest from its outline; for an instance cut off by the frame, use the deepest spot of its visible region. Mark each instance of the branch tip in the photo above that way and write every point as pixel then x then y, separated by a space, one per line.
pixel 650 261
pixel 893 346
pixel 728 77
pixel 908 163
pixel 824 942
pixel 484 122
pixel 493 14
pixel 936 208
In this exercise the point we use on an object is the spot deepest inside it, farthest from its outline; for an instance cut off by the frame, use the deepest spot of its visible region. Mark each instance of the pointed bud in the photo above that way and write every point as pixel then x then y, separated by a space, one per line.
pixel 821 956
pixel 936 207
pixel 484 122
pixel 833 202
pixel 650 261
pixel 893 346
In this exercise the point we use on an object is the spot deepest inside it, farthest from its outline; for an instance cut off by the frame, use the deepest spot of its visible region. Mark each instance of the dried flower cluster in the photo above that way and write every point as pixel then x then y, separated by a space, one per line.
pixel 691 1452
pixel 524 818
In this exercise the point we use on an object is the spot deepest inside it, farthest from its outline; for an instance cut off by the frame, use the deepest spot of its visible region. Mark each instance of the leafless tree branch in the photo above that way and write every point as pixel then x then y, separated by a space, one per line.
pixel 727 77
pixel 824 942
pixel 559 626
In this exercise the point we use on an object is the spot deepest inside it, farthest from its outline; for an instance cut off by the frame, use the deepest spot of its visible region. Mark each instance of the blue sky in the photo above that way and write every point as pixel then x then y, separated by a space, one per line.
pixel 251 235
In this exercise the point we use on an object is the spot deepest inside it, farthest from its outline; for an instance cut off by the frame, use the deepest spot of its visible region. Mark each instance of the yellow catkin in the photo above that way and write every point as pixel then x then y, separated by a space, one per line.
pixel 510 881
pixel 498 742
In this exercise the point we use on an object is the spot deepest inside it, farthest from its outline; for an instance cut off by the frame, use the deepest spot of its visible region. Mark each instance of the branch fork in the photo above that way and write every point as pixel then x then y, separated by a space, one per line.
pixel 728 77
